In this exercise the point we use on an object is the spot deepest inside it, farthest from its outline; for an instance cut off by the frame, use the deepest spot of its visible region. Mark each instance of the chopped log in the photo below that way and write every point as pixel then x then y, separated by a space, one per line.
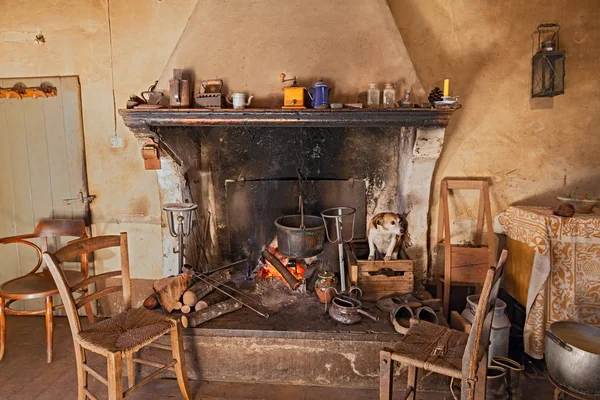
pixel 169 290
pixel 282 269
pixel 151 302
pixel 186 309
pixel 196 318
pixel 210 299
pixel 189 298
pixel 177 305
pixel 201 288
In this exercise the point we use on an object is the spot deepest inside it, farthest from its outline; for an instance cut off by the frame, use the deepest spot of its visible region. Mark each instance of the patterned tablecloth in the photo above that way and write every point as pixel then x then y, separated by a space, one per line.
pixel 567 258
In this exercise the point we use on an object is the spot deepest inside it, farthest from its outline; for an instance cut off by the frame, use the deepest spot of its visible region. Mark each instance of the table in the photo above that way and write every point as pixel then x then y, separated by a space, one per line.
pixel 563 279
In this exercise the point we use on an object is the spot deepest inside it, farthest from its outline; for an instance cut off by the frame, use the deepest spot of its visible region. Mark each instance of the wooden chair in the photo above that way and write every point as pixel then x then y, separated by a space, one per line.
pixel 116 338
pixel 36 285
pixel 446 351
pixel 465 265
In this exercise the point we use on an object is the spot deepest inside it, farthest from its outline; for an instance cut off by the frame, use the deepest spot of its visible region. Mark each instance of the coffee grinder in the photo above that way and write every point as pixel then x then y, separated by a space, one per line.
pixel 293 96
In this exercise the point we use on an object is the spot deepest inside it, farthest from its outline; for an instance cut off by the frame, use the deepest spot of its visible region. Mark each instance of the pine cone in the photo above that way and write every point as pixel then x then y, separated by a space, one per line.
pixel 435 95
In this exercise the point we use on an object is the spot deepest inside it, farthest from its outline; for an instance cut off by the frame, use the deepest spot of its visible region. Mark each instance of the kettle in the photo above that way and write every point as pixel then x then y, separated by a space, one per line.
pixel 239 100
pixel 320 94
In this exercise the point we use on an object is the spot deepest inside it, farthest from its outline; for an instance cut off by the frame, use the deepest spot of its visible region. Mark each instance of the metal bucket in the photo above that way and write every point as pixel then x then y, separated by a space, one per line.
pixel 296 242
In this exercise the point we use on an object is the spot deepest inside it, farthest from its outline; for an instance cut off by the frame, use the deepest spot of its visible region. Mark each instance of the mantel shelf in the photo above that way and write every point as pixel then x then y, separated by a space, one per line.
pixel 145 119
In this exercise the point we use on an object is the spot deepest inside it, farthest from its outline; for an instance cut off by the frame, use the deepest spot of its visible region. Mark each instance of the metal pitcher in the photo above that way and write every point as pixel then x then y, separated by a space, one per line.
pixel 320 94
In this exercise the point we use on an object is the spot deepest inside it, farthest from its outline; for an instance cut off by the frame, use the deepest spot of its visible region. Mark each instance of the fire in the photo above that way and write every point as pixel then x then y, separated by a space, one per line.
pixel 269 271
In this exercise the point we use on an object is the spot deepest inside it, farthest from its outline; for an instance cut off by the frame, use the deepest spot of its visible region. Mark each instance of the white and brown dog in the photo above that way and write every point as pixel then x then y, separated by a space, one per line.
pixel 388 235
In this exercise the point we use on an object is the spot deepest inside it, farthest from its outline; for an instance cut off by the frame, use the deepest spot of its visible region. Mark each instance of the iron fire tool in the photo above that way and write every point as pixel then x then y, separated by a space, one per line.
pixel 208 280
pixel 337 214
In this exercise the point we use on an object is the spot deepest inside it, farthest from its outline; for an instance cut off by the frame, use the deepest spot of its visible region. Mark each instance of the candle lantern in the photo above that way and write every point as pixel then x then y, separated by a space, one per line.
pixel 548 63
pixel 179 218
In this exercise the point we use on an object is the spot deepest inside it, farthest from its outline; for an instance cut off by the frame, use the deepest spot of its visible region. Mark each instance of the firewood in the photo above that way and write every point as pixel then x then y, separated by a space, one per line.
pixel 186 309
pixel 210 299
pixel 196 318
pixel 177 306
pixel 189 298
pixel 151 302
pixel 202 287
pixel 169 290
pixel 283 271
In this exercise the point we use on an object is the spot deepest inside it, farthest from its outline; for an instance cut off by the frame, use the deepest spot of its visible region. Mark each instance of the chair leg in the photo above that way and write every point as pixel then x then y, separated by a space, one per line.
pixel 130 369
pixel 2 328
pixel 386 375
pixel 481 384
pixel 114 373
pixel 81 372
pixel 178 354
pixel 446 298
pixel 49 328
pixel 412 382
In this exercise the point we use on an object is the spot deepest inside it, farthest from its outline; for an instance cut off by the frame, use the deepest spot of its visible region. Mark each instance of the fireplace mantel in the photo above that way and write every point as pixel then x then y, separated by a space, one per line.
pixel 142 120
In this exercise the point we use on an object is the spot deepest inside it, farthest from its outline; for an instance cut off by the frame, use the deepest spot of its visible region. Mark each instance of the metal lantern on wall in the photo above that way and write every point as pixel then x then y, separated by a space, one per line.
pixel 548 63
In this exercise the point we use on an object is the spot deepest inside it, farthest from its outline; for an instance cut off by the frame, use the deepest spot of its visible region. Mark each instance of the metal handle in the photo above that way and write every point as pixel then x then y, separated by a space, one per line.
pixel 213 82
pixel 368 315
pixel 558 341
pixel 308 91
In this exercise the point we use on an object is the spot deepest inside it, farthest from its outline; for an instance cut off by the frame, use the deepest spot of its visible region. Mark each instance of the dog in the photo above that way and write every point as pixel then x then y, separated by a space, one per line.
pixel 388 235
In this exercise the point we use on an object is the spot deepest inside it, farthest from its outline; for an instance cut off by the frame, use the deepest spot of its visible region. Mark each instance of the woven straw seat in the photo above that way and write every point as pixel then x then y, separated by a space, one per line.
pixel 126 332
pixel 434 348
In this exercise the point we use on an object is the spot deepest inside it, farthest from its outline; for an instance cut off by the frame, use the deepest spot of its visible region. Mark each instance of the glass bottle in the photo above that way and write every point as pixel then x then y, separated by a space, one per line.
pixel 373 96
pixel 389 96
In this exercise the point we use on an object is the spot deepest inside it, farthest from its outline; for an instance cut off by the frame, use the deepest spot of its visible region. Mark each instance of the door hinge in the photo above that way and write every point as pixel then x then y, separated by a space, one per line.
pixel 82 198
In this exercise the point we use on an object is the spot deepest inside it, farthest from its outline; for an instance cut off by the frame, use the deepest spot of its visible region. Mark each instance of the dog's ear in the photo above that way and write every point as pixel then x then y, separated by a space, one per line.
pixel 376 221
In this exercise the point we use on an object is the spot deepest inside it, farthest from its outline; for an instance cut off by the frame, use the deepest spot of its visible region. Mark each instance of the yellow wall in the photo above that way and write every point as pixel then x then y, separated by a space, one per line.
pixel 533 150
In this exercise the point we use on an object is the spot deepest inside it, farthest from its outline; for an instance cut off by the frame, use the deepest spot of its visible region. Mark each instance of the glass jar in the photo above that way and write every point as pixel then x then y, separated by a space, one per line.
pixel 389 96
pixel 373 96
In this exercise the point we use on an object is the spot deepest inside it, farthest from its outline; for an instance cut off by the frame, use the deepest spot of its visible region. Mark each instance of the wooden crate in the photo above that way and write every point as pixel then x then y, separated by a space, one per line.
pixel 370 275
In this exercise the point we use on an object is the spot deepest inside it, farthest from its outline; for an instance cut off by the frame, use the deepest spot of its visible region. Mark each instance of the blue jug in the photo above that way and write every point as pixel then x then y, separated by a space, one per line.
pixel 320 94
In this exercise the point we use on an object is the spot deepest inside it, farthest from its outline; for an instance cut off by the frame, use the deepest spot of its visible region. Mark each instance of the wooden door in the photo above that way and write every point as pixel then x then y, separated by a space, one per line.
pixel 42 163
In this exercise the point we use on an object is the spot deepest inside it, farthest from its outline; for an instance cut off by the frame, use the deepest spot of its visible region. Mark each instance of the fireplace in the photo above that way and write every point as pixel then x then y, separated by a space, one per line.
pixel 242 169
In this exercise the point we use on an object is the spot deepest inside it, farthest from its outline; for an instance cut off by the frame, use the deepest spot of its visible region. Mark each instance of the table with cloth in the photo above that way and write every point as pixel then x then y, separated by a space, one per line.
pixel 564 279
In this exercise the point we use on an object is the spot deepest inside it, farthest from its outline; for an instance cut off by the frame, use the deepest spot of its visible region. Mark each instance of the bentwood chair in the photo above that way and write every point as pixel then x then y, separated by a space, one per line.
pixel 119 337
pixel 446 351
pixel 39 284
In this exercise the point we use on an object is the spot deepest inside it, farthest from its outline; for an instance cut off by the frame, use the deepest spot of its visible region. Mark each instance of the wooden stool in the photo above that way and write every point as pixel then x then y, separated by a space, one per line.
pixel 465 265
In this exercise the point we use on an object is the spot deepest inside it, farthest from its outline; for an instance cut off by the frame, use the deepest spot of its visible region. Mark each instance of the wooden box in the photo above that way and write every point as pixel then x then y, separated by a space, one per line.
pixel 378 278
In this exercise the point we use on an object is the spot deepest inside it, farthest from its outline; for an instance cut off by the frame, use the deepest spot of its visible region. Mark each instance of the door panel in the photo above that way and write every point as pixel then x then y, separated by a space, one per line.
pixel 42 161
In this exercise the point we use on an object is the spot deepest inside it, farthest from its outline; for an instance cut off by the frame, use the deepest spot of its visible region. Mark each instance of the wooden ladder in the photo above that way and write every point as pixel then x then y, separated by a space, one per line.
pixel 465 265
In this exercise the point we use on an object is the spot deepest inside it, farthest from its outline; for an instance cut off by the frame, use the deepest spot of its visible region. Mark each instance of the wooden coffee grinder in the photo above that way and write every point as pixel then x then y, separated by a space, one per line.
pixel 293 96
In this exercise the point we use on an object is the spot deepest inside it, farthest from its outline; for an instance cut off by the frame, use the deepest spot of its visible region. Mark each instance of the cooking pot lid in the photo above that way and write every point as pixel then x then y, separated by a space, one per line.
pixel 582 336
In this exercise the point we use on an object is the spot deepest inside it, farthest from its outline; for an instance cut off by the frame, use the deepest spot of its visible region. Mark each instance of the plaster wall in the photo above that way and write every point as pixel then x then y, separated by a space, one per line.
pixel 532 150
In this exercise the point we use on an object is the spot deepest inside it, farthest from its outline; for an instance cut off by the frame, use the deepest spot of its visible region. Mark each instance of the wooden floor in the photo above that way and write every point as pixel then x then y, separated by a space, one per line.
pixel 24 374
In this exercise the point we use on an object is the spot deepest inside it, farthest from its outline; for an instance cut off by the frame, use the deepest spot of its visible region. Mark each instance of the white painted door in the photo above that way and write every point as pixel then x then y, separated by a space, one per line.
pixel 42 162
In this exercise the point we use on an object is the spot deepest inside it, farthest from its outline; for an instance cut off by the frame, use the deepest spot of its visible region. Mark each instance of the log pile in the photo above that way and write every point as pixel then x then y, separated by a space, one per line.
pixel 194 298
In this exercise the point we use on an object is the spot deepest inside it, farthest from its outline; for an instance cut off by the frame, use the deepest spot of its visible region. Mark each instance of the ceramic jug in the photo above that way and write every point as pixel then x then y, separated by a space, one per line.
pixel 320 94
pixel 239 100
pixel 325 286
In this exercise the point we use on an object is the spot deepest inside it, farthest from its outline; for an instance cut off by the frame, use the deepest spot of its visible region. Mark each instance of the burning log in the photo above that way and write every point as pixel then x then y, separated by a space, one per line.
pixel 196 318
pixel 283 271
pixel 202 288
pixel 169 290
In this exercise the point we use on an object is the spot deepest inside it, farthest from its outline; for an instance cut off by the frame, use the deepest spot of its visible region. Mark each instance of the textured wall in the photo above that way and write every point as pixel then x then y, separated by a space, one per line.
pixel 533 150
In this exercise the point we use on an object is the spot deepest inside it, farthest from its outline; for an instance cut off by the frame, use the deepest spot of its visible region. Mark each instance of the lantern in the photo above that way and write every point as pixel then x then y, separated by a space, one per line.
pixel 548 64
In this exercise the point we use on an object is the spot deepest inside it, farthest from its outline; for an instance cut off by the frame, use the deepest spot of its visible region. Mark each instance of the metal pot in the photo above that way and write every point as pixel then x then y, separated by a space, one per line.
pixel 297 240
pixel 347 310
pixel 573 356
